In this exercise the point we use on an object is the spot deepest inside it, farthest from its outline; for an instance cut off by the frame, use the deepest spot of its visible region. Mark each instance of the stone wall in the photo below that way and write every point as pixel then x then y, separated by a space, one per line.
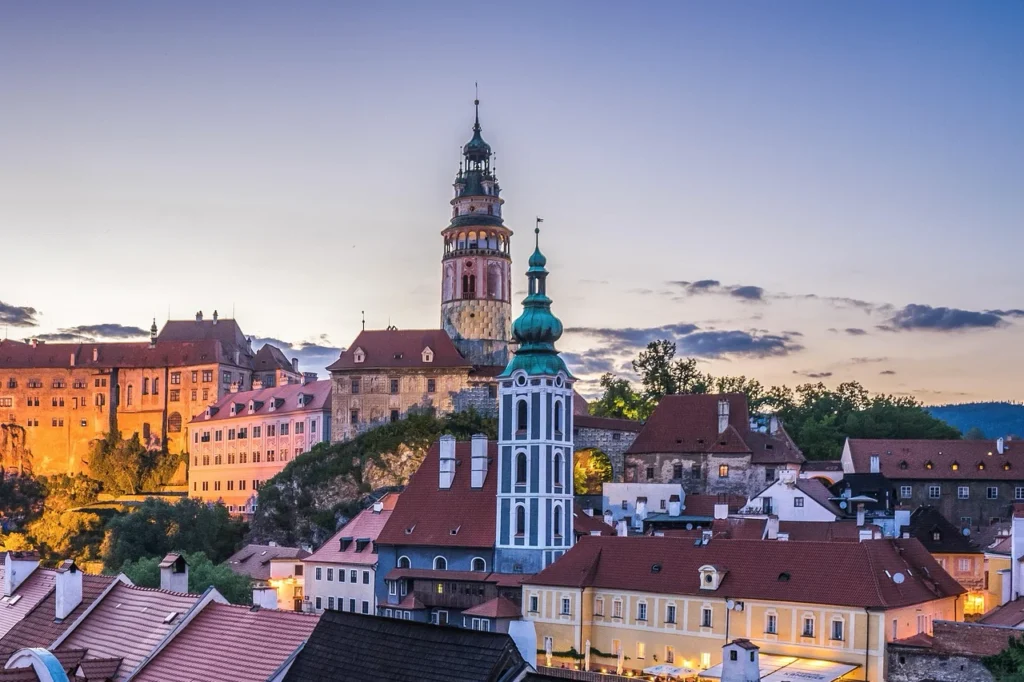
pixel 912 664
pixel 612 443
pixel 699 472
pixel 479 328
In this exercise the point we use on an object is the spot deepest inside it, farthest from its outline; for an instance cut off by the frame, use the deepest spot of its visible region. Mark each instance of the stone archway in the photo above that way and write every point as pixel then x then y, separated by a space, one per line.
pixel 826 480
pixel 591 469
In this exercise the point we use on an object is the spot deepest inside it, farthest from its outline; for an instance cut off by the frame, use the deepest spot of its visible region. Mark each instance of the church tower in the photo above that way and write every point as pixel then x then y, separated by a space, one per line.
pixel 535 440
pixel 476 296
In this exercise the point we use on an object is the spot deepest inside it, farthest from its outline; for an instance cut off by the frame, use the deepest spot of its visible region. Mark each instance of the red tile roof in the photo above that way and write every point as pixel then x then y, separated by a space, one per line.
pixel 225 642
pixel 400 348
pixel 26 596
pixel 801 572
pixel 97 669
pixel 226 331
pixel 818 531
pixel 318 397
pixel 499 607
pixel 772 448
pixel 689 423
pixel 817 491
pixel 1000 546
pixel 738 528
pixel 271 358
pixel 580 406
pixel 109 355
pixel 909 459
pixel 366 524
pixel 426 514
pixel 129 623
pixel 584 524
pixel 822 465
pixel 704 505
pixel 962 639
pixel 254 560
pixel 1011 613
pixel 585 421
pixel 432 574
pixel 40 627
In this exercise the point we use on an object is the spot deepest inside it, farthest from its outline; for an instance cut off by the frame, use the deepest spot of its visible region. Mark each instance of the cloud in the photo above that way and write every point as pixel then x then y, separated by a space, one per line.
pixel 744 292
pixel 888 371
pixel 314 356
pixel 855 331
pixel 702 285
pixel 792 333
pixel 813 375
pixel 925 317
pixel 715 344
pixel 1014 312
pixel 93 332
pixel 18 315
pixel 748 293
pixel 582 364
pixel 865 361
pixel 630 338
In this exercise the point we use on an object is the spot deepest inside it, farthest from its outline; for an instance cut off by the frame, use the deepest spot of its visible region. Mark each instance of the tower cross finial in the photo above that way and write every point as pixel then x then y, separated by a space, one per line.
pixel 364 320
pixel 536 232
pixel 476 103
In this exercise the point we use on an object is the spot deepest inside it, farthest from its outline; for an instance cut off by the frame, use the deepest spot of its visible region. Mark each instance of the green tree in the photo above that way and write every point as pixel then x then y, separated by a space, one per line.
pixel 620 401
pixel 591 470
pixel 1008 664
pixel 157 527
pixel 60 535
pixel 661 373
pixel 21 500
pixel 974 433
pixel 202 573
pixel 126 466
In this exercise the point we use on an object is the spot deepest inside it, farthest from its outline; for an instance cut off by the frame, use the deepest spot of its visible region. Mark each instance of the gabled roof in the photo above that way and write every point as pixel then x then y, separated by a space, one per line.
pixel 400 348
pixel 689 423
pixel 318 398
pixel 977 460
pixel 270 358
pixel 823 531
pixel 225 331
pixel 817 491
pixel 772 448
pixel 367 524
pixel 499 607
pixel 254 560
pixel 585 524
pixel 704 505
pixel 426 514
pixel 927 521
pixel 961 639
pixel 1010 614
pixel 226 642
pixel 1000 546
pixel 109 355
pixel 350 647
pixel 40 627
pixel 25 598
pixel 800 572
pixel 129 623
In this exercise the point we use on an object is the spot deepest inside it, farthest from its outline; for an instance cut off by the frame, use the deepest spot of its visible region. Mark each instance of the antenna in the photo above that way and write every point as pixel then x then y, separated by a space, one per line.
pixel 364 319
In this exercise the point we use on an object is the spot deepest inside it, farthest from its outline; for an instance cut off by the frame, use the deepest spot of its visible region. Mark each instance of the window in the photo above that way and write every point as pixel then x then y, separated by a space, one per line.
pixel 355 385
pixel 231 434
pixel 352 577
pixel 206 394
pixel 330 575
pixel 231 485
pixel 440 564
pixel 769 474
pixel 549 643
pixel 670 655
pixel 1018 493
pixel 241 483
pixel 352 606
pixel 641 611
pixel 175 378
pixel 394 386
pixel 808 629
pixel 965 565
pixel 431 385
pixel 319 573
pixel 963 492
pixel 353 416
pixel 534 603
pixel 837 630
pixel 319 603
pixel 478 564
pixel 733 655
pixel 641 650
pixel 218 436
pixel 404 562
pixel 130 391
pixel 558 417
pixel 993 492
pixel 300 428
pixel 521 468
pixel 521 417
pixel 705 617
pixel 156 386
pixel 599 606
pixel 557 521
pixel 330 603
pixel 394 415
pixel 174 395
pixel 677 471
pixel 617 608
pixel 257 431
pixel 207 376
pixel 798 501
pixel 520 521
pixel 366 606
pixel 650 473
pixel 392 588
pixel 670 613
pixel 771 624
pixel 906 492
pixel 558 466
pixel 566 606
pixel 195 395
pixel 271 430
pixel 341 575
pixel 934 491
pixel 723 471
pixel 145 386
pixel 366 577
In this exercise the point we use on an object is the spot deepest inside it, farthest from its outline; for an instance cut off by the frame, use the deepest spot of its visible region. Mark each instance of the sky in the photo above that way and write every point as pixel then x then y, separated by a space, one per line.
pixel 794 192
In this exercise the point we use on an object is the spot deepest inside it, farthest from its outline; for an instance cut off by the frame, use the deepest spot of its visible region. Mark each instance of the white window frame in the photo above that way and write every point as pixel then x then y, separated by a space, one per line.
pixel 408 561
pixel 842 630
pixel 566 607
pixel 934 492
pixel 671 613
pixel 992 492
pixel 670 654
pixel 1018 492
pixel 319 573
pixel 771 623
pixel 617 608
pixel 963 492
pixel 392 588
pixel 599 606
pixel 963 565
pixel 641 611
pixel 641 651
pixel 798 501
pixel 708 622
pixel 804 620
pixel 906 492
pixel 442 558
pixel 474 560
pixel 534 604
pixel 319 603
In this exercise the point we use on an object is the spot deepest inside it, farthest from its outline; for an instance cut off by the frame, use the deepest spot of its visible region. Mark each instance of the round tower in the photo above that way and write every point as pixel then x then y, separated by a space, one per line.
pixel 476 296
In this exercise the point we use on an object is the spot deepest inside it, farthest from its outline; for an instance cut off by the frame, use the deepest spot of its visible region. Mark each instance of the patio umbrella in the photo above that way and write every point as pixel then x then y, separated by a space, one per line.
pixel 658 670
pixel 586 657
pixel 618 666
pixel 547 651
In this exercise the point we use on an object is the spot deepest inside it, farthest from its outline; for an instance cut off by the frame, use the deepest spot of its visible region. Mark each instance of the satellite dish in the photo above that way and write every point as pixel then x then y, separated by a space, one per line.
pixel 730 604
pixel 898 578
pixel 689 526
pixel 966 531
pixel 842 505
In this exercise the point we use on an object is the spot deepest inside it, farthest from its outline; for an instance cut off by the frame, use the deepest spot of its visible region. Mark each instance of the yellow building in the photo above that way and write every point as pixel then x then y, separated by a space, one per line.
pixel 997 571
pixel 666 600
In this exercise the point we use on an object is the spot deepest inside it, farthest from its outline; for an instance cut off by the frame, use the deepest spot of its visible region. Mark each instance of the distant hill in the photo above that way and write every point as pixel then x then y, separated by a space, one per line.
pixel 994 419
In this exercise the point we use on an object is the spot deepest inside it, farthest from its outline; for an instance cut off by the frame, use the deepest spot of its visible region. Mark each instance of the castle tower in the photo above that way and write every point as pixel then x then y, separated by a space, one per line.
pixel 535 441
pixel 476 303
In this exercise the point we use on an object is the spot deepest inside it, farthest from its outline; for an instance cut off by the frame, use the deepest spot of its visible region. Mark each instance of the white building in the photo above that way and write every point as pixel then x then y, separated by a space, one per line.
pixel 795 499
pixel 341 574
pixel 637 500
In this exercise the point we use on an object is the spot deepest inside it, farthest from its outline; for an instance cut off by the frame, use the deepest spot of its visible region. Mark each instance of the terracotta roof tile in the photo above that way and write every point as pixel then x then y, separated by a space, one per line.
pixel 499 607
pixel 585 421
pixel 584 524
pixel 254 560
pixel 426 514
pixel 819 531
pixel 317 397
pixel 1011 613
pixel 26 596
pixel 366 524
pixel 99 669
pixel 108 355
pixel 909 459
pixel 689 423
pixel 962 639
pixel 758 569
pixel 271 358
pixel 704 505
pixel 225 642
pixel 386 348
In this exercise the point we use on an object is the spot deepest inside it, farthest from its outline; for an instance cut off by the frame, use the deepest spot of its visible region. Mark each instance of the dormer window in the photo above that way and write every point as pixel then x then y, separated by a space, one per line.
pixel 300 400
pixel 358 355
pixel 273 404
pixel 428 355
pixel 710 577
pixel 252 407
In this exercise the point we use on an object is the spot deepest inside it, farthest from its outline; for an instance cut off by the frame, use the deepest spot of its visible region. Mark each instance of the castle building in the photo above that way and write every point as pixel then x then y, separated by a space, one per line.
pixel 385 373
pixel 56 398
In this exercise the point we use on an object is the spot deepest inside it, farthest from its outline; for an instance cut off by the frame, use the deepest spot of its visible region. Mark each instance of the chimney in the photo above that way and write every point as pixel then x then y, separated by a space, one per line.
pixel 236 356
pixel 17 567
pixel 95 354
pixel 152 334
pixel 447 461
pixel 295 365
pixel 721 510
pixel 309 377
pixel 622 528
pixel 33 342
pixel 864 534
pixel 68 589
pixel 174 573
pixel 71 362
pixel 901 519
pixel 675 506
pixel 257 384
pixel 378 507
pixel 215 317
pixel 234 387
pixel 773 425
pixel 1000 445
pixel 874 464
pixel 771 529
pixel 641 512
pixel 264 598
pixel 860 515
pixel 741 662
pixel 479 445
pixel 608 517
pixel 723 415
pixel 589 511
pixel 199 316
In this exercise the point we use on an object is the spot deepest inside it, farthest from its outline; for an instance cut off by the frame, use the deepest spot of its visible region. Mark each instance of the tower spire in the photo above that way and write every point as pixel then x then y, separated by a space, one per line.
pixel 476 104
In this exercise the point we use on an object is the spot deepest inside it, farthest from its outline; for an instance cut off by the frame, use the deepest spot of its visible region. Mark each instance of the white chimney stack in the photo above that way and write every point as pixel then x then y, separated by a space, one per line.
pixel 721 510
pixel 622 529
pixel 72 360
pixel 68 589
pixel 1000 445
pixel 874 464
pixel 95 354
pixel 723 415
pixel 675 506
pixel 17 567
pixel 741 662
pixel 641 513
pixel 608 518
pixel 773 425
pixel 174 574
pixel 479 444
pixel 771 530
pixel 446 467
pixel 860 515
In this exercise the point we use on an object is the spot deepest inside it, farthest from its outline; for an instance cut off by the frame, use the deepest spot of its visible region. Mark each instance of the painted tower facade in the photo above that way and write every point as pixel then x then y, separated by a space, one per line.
pixel 476 296
pixel 535 441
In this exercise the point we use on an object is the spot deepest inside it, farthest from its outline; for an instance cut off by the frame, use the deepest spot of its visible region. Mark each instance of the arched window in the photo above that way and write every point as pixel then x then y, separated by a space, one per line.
pixel 492 241
pixel 440 563
pixel 462 240
pixel 479 564
pixel 521 416
pixel 130 391
pixel 156 385
pixel 521 468
pixel 520 520
pixel 403 562
pixel 557 522
pixel 145 385
pixel 558 417
pixel 472 240
pixel 174 422
pixel 469 286
pixel 558 466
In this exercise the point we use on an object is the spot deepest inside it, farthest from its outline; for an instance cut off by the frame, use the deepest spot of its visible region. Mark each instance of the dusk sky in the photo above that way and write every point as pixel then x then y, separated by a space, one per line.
pixel 790 191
